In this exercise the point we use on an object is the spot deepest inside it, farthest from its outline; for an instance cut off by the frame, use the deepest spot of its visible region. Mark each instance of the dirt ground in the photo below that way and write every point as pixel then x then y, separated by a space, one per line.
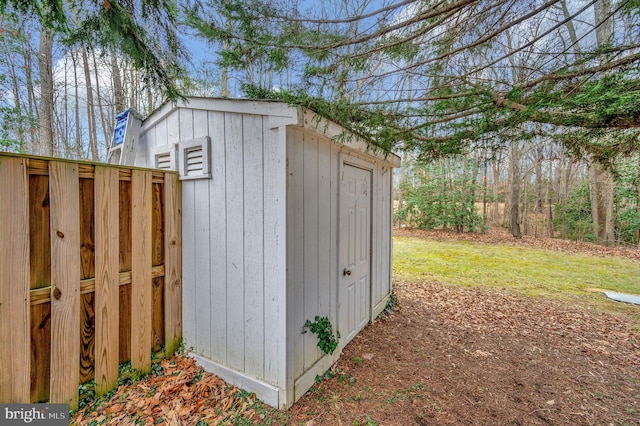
pixel 444 356
pixel 454 356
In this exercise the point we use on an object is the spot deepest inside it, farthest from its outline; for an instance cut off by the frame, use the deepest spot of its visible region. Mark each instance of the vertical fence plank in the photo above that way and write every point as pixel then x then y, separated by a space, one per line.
pixel 107 283
pixel 124 308
pixel 157 255
pixel 40 276
pixel 141 270
pixel 14 281
pixel 87 270
pixel 172 264
pixel 65 282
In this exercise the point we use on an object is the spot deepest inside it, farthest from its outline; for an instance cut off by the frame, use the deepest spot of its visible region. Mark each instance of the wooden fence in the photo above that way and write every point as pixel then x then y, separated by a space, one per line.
pixel 90 274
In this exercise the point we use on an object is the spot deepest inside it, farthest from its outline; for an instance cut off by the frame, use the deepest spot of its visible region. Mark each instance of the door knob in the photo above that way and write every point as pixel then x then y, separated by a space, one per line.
pixel 346 271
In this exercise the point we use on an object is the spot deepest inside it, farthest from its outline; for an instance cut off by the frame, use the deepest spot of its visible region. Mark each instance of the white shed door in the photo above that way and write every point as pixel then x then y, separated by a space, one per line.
pixel 355 254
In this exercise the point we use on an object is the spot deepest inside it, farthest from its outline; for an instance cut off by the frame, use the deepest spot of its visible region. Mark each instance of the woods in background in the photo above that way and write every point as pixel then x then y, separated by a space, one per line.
pixel 541 191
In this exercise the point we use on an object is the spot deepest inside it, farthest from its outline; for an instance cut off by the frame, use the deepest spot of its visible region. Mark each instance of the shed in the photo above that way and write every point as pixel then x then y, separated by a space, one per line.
pixel 280 224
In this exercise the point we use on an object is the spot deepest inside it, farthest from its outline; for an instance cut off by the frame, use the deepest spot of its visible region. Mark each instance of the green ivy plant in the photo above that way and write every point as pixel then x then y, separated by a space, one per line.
pixel 322 328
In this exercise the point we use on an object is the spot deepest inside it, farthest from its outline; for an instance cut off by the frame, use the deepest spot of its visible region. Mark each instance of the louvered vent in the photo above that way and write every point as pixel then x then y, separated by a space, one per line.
pixel 194 160
pixel 163 161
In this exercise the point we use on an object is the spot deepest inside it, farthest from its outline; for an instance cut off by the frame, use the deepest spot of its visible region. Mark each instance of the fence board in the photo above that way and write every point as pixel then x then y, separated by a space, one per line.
pixel 107 282
pixel 141 281
pixel 124 306
pixel 172 265
pixel 87 337
pixel 40 277
pixel 65 280
pixel 14 281
pixel 87 270
pixel 157 256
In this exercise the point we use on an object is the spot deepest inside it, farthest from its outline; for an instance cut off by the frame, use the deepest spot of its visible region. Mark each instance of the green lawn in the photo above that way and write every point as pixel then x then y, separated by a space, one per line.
pixel 533 272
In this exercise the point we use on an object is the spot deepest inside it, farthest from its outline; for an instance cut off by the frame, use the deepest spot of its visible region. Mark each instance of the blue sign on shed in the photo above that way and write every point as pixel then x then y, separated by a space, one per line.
pixel 121 126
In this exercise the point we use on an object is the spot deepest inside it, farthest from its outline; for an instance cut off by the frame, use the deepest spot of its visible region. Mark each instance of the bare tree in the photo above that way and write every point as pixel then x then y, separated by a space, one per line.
pixel 45 65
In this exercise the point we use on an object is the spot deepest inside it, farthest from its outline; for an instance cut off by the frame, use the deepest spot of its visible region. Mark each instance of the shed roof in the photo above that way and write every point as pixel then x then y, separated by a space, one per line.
pixel 280 114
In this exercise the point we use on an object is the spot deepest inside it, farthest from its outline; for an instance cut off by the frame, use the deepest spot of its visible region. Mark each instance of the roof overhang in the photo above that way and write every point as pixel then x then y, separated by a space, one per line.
pixel 279 114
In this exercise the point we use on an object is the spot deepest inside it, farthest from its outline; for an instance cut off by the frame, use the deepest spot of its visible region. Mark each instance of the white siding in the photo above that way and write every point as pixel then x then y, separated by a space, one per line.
pixel 218 223
pixel 313 182
pixel 234 245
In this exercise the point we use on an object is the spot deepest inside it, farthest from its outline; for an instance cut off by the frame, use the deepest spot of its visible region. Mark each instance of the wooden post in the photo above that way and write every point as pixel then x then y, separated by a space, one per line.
pixel 107 278
pixel 172 264
pixel 14 281
pixel 141 333
pixel 65 282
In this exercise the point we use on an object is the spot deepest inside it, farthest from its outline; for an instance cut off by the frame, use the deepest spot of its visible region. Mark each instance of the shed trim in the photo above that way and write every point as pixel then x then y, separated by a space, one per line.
pixel 289 114
pixel 333 130
pixel 267 393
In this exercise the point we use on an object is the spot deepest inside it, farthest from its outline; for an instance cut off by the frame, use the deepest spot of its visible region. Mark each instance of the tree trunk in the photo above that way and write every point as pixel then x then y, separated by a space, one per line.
pixel 403 175
pixel 118 91
pixel 105 130
pixel 15 87
pixel 93 143
pixel 496 188
pixel 514 193
pixel 525 205
pixel 45 66
pixel 601 186
pixel 565 196
pixel 32 108
pixel 79 149
pixel 484 194
pixel 539 196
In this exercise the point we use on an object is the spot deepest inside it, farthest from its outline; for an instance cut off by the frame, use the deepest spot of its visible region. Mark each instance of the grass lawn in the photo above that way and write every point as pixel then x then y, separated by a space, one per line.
pixel 534 272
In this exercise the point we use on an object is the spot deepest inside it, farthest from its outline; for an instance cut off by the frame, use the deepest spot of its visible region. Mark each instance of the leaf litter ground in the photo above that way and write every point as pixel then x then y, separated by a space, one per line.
pixel 446 356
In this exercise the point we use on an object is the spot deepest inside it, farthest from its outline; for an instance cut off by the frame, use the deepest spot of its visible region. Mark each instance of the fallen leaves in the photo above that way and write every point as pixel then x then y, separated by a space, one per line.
pixel 183 395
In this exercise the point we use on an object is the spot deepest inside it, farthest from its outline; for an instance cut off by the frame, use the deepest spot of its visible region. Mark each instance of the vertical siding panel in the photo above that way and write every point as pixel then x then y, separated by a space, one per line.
pixel 374 287
pixel 275 254
pixel 218 225
pixel 253 247
pixel 14 281
pixel 334 212
pixel 381 229
pixel 107 281
pixel 160 138
pixel 295 260
pixel 141 281
pixel 388 225
pixel 172 127
pixel 310 244
pixel 188 263
pixel 194 125
pixel 325 271
pixel 148 140
pixel 65 282
pixel 235 242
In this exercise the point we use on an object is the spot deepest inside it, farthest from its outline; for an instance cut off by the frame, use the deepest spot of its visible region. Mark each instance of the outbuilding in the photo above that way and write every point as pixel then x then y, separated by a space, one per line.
pixel 281 224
